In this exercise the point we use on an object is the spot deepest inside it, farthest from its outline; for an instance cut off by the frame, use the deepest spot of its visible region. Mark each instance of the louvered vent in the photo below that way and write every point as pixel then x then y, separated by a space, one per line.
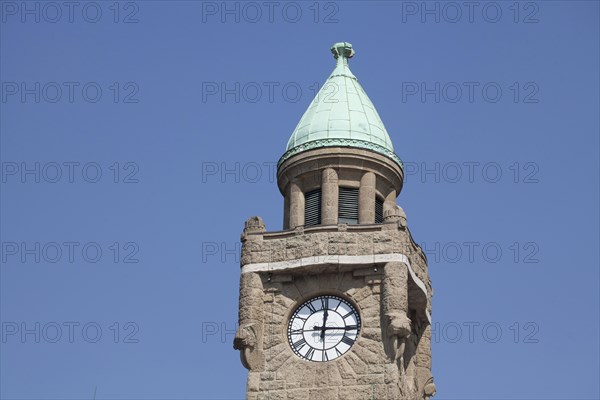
pixel 378 211
pixel 312 208
pixel 348 206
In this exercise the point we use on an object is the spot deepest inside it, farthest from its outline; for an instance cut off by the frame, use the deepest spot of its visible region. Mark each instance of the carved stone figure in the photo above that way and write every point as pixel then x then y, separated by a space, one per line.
pixel 429 389
pixel 399 331
pixel 245 341
pixel 248 337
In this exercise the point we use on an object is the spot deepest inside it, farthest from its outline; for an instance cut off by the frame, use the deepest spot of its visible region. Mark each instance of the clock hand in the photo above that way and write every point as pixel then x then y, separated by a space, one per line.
pixel 328 328
pixel 324 325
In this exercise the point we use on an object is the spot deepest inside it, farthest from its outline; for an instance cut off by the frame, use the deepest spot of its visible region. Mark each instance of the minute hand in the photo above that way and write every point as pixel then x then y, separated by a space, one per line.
pixel 328 328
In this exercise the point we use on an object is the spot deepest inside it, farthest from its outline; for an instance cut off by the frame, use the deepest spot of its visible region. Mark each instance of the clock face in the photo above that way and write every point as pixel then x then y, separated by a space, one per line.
pixel 323 328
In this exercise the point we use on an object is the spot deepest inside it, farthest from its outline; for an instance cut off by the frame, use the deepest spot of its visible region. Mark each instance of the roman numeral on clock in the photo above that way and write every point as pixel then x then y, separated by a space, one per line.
pixel 296 331
pixel 347 315
pixel 349 341
pixel 300 344
pixel 310 353
pixel 339 304
pixel 311 307
pixel 324 303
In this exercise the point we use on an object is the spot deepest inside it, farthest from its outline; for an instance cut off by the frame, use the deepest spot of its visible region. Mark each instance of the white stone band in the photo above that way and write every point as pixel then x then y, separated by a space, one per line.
pixel 340 260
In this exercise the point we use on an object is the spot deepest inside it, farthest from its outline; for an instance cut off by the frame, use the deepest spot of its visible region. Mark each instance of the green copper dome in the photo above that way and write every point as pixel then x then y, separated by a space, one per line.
pixel 341 115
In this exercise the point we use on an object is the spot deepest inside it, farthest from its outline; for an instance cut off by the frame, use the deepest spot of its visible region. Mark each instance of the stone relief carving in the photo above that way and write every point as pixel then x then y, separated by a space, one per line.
pixel 407 338
pixel 245 341
pixel 429 389
pixel 399 331
pixel 248 337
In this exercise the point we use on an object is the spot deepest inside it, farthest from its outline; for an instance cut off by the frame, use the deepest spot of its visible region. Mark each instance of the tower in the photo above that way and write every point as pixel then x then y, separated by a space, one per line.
pixel 336 305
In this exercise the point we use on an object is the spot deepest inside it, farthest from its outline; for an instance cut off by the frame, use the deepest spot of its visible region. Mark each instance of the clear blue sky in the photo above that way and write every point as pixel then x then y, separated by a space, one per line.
pixel 513 257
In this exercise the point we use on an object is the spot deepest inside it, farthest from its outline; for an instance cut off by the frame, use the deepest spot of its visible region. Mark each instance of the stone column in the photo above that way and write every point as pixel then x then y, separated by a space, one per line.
pixel 395 288
pixel 286 210
pixel 329 197
pixel 296 205
pixel 366 199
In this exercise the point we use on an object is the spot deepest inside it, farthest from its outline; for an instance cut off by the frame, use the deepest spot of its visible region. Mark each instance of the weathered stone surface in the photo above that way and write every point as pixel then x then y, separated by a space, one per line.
pixel 367 354
pixel 272 395
pixel 345 370
pixel 371 379
pixel 323 393
pixel 372 333
pixel 357 364
pixel 363 392
pixel 327 376
pixel 274 342
pixel 253 381
pixel 297 394
pixel 271 385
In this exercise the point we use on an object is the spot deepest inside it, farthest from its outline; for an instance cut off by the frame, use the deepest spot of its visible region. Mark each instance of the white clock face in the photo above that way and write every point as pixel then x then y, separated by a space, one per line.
pixel 323 328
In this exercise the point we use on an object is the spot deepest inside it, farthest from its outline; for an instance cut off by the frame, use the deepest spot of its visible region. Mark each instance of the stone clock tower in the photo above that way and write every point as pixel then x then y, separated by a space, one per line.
pixel 337 305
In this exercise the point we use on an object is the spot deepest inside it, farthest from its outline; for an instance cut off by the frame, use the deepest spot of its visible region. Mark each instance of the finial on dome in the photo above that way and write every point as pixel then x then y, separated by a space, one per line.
pixel 343 49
